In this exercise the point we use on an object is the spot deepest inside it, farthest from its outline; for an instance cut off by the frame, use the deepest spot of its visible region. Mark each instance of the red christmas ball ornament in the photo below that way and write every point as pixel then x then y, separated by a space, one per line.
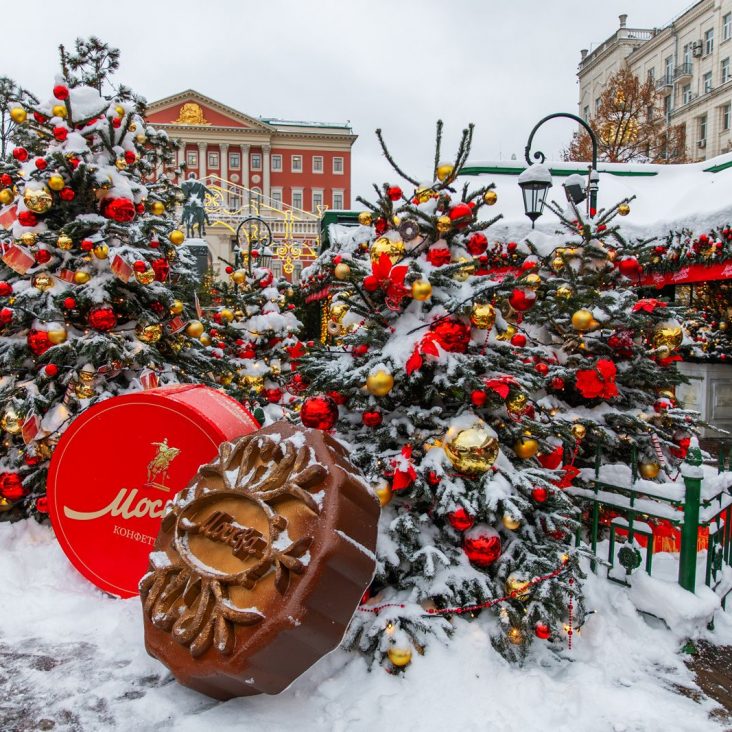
pixel 629 267
pixel 50 370
pixel 433 478
pixel 273 395
pixel 69 303
pixel 5 289
pixel 140 207
pixel 461 215
pixel 116 122
pixel 6 180
pixel 319 412
pixel 40 163
pixel 255 253
pixel 267 279
pixel 6 316
pixel 42 504
pixel 42 256
pixel 518 340
pixel 155 244
pixel 541 368
pixel 130 156
pixel 11 486
pixel 73 162
pixel 438 256
pixel 121 210
pixel 228 269
pixel 161 267
pixel 380 226
pixel 540 494
pixel 557 383
pixel 460 519
pixel 140 266
pixel 453 335
pixel 394 193
pixel 61 91
pixel 40 118
pixel 372 418
pixel 541 630
pixel 477 244
pixel 360 350
pixel 27 218
pixel 102 318
pixel 20 154
pixel 521 299
pixel 67 194
pixel 87 245
pixel 482 545
pixel 478 398
pixel 38 341
pixel 337 397
pixel 370 283
pixel 511 247
pixel 60 133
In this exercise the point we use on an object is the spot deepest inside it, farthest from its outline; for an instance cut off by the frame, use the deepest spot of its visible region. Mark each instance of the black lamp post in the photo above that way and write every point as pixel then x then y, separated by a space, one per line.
pixel 253 233
pixel 534 202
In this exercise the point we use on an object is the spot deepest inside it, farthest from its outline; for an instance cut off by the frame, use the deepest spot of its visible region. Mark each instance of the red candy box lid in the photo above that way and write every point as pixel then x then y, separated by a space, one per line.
pixel 118 464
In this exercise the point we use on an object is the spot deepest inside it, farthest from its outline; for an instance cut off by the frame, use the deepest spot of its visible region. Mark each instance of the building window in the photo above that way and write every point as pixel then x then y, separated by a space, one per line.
pixel 317 163
pixel 707 82
pixel 725 70
pixel 192 159
pixel 726 111
pixel 687 53
pixel 296 163
pixel 586 112
pixel 667 109
pixel 708 41
pixel 256 161
pixel 234 160
pixel 669 69
pixel 297 198
pixel 338 166
pixel 338 199
pixel 686 93
pixel 597 105
pixel 276 163
pixel 277 196
pixel 703 128
pixel 317 199
pixel 727 26
pixel 213 160
pixel 651 75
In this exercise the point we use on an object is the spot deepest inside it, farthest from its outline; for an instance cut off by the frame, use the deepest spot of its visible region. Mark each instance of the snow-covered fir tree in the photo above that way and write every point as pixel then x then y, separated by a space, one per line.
pixel 93 283
pixel 422 378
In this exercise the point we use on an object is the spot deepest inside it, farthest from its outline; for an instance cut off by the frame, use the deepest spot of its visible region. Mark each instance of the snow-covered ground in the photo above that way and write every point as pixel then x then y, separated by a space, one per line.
pixel 74 657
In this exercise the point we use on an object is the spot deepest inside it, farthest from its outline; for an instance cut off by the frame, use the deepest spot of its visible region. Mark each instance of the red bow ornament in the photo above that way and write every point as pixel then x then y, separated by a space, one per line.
pixel 404 472
pixel 598 382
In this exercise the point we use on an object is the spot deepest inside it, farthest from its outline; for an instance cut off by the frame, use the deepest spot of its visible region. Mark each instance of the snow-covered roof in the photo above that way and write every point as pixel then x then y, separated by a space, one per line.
pixel 694 195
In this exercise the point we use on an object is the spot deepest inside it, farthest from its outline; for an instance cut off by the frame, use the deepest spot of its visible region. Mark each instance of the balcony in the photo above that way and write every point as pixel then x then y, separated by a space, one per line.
pixel 682 72
pixel 665 84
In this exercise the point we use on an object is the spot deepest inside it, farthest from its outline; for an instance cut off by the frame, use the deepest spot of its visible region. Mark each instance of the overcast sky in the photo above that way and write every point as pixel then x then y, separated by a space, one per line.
pixel 395 64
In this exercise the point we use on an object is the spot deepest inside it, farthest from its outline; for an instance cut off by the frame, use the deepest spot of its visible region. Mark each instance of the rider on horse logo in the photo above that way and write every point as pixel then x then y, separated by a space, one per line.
pixel 157 469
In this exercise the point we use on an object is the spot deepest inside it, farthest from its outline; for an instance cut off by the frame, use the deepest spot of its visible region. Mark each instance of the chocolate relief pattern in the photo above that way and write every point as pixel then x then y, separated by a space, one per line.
pixel 228 537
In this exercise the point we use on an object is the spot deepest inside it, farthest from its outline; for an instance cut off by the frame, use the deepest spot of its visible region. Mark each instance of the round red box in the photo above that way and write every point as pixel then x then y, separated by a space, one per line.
pixel 118 464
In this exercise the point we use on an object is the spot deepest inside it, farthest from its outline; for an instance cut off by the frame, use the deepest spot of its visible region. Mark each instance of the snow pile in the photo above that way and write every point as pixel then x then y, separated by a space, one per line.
pixel 75 657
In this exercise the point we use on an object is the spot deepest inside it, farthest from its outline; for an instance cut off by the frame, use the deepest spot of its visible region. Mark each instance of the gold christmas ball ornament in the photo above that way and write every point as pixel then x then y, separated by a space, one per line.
pixel 120 110
pixel 532 281
pixel 56 182
pixel 564 292
pixel 443 224
pixel 57 335
pixel 668 335
pixel 463 273
pixel 87 375
pixel 81 277
pixel 195 329
pixel 383 245
pixel 490 198
pixel 64 243
pixel 472 450
pixel 177 237
pixel 59 110
pixel 526 447
pixel 10 422
pixel 380 383
pixel 623 209
pixel 18 115
pixel 226 315
pixel 338 311
pixel 365 218
pixel 578 431
pixel 518 586
pixel 510 522
pixel 342 271
pixel 176 307
pixel 516 403
pixel 383 492
pixel 421 290
pixel 399 656
pixel 157 208
pixel 557 264
pixel 582 320
pixel 43 281
pixel 149 333
pixel 253 382
pixel 6 196
pixel 147 277
pixel 205 339
pixel 507 334
pixel 483 315
pixel 444 171
pixel 101 250
pixel 649 471
pixel 239 276
pixel 84 391
pixel 120 163
pixel 38 200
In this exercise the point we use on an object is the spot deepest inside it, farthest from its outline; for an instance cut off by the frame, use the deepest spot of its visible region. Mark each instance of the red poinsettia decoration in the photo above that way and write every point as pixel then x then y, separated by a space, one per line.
pixel 501 385
pixel 598 382
pixel 404 472
pixel 388 278
pixel 648 305
pixel 570 473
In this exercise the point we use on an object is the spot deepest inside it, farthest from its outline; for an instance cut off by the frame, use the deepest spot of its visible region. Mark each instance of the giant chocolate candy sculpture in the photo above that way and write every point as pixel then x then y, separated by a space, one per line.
pixel 260 563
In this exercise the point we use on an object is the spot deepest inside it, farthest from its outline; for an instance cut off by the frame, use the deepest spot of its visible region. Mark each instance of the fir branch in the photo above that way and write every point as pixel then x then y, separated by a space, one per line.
pixel 391 160
pixel 438 145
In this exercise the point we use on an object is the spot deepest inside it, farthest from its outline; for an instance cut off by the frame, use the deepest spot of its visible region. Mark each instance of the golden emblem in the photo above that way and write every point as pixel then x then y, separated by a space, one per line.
pixel 157 469
pixel 191 114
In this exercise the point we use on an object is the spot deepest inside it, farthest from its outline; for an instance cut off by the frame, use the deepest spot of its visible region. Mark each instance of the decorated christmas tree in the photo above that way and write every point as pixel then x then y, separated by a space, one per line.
pixel 92 281
pixel 425 378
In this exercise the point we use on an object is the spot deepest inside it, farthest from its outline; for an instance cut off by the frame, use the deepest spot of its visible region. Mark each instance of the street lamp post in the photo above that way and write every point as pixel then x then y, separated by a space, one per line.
pixel 253 231
pixel 535 184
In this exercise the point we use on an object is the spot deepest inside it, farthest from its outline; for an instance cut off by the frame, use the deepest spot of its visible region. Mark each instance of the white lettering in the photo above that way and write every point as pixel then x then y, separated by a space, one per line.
pixel 122 505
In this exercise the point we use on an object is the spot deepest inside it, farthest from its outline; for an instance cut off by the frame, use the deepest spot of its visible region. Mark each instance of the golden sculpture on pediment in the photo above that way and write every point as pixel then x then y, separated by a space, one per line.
pixel 191 114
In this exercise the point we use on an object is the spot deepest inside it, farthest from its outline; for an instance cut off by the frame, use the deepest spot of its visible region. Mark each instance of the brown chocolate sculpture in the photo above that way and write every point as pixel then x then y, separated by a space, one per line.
pixel 260 563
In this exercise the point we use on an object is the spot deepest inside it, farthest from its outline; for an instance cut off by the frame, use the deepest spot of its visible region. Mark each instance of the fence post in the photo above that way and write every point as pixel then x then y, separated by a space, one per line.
pixel 692 472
